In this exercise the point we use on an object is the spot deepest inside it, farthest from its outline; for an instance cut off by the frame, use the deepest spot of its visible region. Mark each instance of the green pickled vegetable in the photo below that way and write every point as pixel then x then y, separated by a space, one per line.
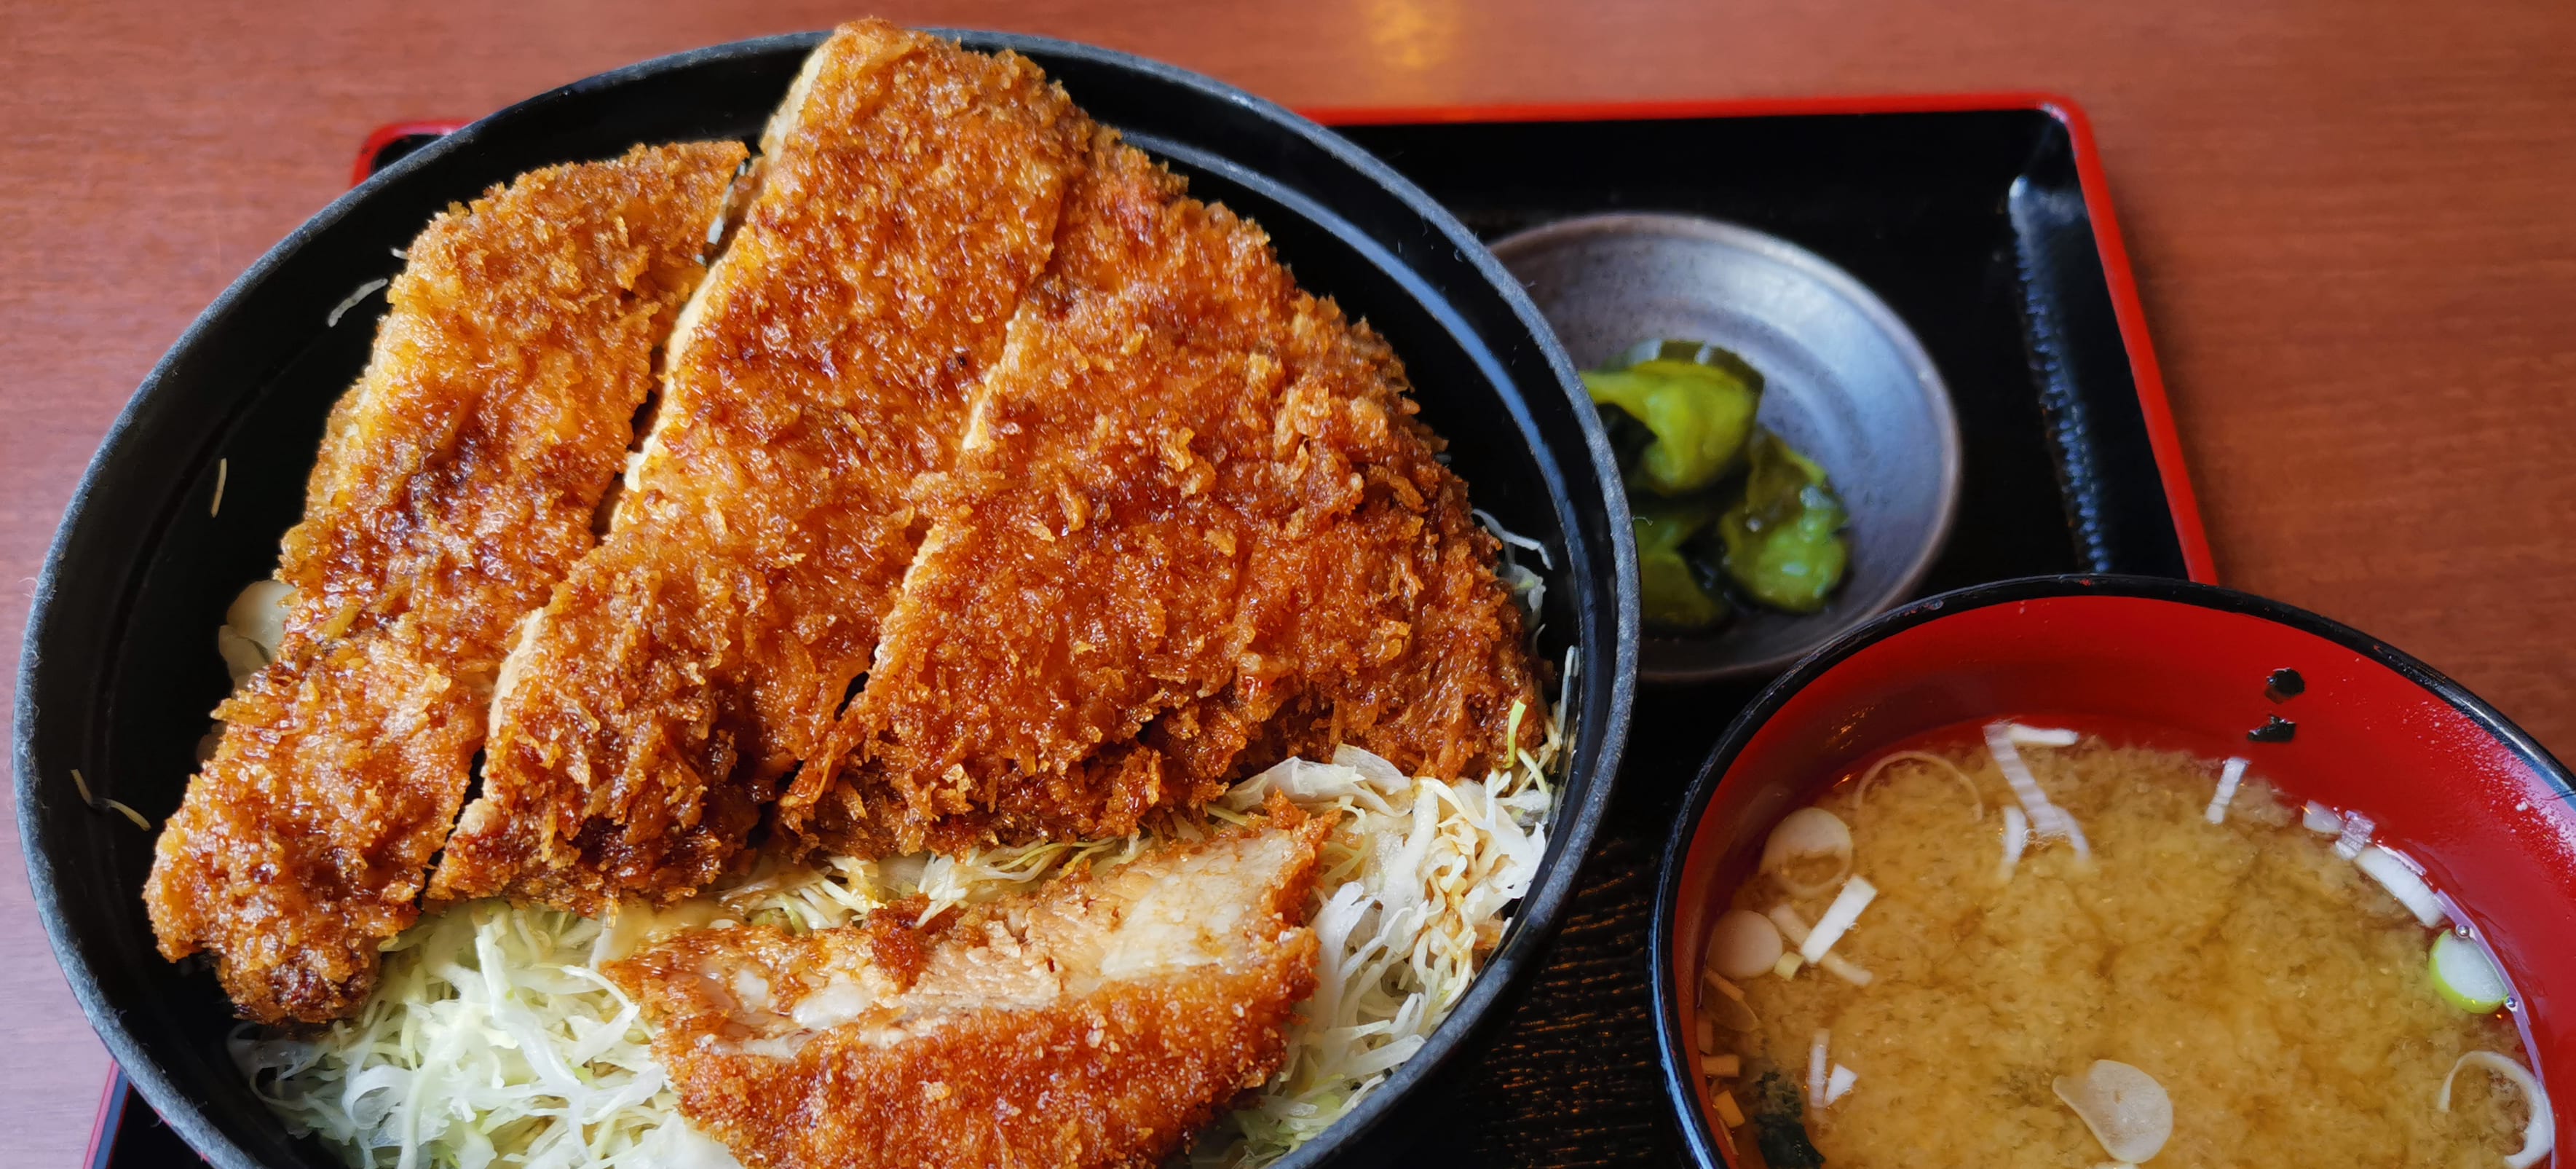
pixel 2465 977
pixel 1692 351
pixel 1700 416
pixel 1675 596
pixel 1726 512
pixel 1629 438
pixel 1782 543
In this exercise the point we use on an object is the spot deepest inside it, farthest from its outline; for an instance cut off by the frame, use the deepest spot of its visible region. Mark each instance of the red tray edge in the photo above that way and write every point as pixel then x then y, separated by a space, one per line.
pixel 102 1125
pixel 2162 435
pixel 384 136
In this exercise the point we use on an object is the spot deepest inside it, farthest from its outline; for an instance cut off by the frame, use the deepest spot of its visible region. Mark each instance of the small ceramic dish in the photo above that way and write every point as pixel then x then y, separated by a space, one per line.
pixel 2449 783
pixel 1846 383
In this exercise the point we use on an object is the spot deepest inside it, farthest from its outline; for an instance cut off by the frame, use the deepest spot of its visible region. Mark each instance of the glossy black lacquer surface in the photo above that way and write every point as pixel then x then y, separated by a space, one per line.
pixel 119 669
pixel 1972 227
pixel 1974 230
pixel 1970 224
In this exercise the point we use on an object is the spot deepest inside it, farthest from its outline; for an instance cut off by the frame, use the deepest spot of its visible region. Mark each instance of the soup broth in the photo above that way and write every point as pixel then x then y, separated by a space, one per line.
pixel 2278 994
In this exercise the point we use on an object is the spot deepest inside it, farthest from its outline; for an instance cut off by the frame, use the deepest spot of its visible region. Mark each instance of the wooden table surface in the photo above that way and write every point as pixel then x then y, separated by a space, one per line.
pixel 2351 222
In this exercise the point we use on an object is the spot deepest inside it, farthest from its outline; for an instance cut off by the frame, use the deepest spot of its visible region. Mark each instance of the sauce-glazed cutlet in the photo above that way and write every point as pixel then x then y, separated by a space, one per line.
pixel 1099 1021
pixel 457 481
pixel 908 194
pixel 1194 529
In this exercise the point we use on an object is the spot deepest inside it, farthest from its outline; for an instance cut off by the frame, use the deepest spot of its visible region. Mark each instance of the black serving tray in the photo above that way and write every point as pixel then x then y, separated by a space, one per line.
pixel 1983 221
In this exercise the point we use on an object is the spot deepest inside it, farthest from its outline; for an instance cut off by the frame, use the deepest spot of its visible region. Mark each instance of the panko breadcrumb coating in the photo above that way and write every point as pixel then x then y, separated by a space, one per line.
pixel 457 481
pixel 909 192
pixel 1194 529
pixel 1099 1021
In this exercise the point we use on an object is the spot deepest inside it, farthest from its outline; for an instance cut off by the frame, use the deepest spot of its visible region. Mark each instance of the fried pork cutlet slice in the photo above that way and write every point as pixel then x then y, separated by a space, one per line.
pixel 909 194
pixel 1194 529
pixel 1102 1020
pixel 457 481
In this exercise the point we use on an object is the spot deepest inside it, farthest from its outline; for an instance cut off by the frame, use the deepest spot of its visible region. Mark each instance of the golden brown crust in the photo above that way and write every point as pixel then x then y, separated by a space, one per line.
pixel 457 480
pixel 1021 1038
pixel 1120 1079
pixel 909 196
pixel 1195 529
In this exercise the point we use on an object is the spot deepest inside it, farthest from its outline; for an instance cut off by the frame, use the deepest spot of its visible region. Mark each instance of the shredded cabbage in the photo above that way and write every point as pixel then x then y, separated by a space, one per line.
pixel 1416 879
pixel 492 1038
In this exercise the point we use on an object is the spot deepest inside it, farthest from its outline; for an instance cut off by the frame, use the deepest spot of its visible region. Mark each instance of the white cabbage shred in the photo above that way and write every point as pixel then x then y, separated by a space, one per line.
pixel 493 1039
pixel 1528 588
pixel 1414 884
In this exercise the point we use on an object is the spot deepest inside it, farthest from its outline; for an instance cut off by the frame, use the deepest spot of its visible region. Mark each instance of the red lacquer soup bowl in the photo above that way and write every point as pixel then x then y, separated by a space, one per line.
pixel 2487 813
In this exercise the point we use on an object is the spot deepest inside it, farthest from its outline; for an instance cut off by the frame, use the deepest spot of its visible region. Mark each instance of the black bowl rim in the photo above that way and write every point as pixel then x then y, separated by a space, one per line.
pixel 1572 828
pixel 1671 1049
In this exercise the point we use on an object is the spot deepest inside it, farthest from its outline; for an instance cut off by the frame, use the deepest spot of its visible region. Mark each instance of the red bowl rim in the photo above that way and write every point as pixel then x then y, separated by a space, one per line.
pixel 1671 1039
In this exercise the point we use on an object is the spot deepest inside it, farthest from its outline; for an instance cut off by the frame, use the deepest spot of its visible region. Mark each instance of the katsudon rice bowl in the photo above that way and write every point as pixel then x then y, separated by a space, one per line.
pixel 1067 711
pixel 2106 870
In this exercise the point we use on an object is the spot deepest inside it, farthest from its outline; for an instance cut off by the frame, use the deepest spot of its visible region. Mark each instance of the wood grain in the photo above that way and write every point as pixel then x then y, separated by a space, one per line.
pixel 2351 222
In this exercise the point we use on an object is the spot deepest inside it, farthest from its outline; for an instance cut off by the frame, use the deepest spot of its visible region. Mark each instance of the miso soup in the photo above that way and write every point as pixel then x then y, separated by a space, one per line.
pixel 2019 946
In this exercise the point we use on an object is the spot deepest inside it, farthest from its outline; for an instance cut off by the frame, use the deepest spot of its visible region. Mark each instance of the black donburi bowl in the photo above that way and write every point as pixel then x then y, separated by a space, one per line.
pixel 120 668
